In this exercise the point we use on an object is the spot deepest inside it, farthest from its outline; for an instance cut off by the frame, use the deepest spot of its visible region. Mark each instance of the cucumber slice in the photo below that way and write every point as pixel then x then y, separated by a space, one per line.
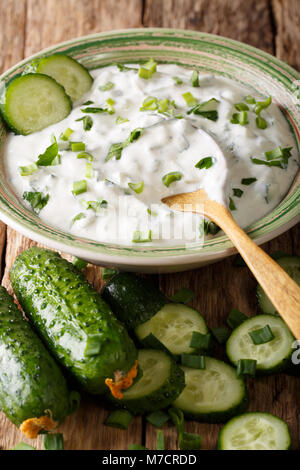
pixel 255 431
pixel 73 76
pixel 291 264
pixel 161 383
pixel 33 102
pixel 173 325
pixel 213 394
pixel 272 356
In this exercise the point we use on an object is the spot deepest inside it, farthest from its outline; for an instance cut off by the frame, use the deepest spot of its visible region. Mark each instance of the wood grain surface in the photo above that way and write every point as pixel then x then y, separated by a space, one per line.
pixel 26 26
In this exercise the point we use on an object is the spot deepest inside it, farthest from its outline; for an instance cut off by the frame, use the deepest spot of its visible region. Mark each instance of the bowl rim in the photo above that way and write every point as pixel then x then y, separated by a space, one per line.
pixel 157 255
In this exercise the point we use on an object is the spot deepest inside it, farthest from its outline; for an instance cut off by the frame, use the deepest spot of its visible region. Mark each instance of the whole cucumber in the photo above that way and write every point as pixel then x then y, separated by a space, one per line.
pixel 72 319
pixel 31 383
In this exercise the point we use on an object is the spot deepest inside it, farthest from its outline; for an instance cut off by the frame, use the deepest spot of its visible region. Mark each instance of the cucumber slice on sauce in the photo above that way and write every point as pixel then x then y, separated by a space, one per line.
pixel 32 102
pixel 174 325
pixel 161 383
pixel 255 431
pixel 73 76
pixel 213 394
pixel 272 356
pixel 291 264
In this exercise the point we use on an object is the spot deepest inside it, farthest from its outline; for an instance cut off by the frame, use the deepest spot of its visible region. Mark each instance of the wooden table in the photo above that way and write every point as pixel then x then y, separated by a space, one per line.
pixel 26 26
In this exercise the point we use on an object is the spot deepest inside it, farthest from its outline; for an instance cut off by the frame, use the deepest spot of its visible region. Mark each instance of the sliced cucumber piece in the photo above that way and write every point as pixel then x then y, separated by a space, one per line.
pixel 161 383
pixel 291 264
pixel 213 394
pixel 174 325
pixel 255 431
pixel 272 356
pixel 33 102
pixel 73 76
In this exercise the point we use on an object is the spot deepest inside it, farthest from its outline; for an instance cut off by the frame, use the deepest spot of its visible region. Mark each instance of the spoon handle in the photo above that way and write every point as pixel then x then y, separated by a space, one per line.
pixel 283 292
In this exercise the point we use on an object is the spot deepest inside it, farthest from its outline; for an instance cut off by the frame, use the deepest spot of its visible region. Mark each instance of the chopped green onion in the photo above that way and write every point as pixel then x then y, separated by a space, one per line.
pixel 195 78
pixel 232 205
pixel 221 334
pixel 189 441
pixel 23 446
pixel 142 237
pixel 124 68
pixel 163 106
pixel 184 295
pixel 46 158
pixel 66 134
pixel 149 104
pixel 200 341
pixel 177 80
pixel 152 213
pixel 189 99
pixel 79 263
pixel 177 417
pixel 152 342
pixel 171 177
pixel 89 172
pixel 205 163
pixel 95 205
pixel 246 367
pixel 262 335
pixel 158 418
pixel 85 155
pixel 77 146
pixel 160 440
pixel 137 447
pixel 260 105
pixel 87 103
pixel 94 110
pixel 235 318
pixel 110 106
pixel 121 120
pixel 206 227
pixel 135 134
pixel 240 118
pixel 28 169
pixel 94 343
pixel 137 187
pixel 79 187
pixel 237 192
pixel 108 273
pixel 207 109
pixel 248 181
pixel 193 361
pixel 37 200
pixel 276 157
pixel 53 441
pixel 261 123
pixel 148 69
pixel 79 216
pixel 115 150
pixel 87 122
pixel 120 419
pixel 241 107
pixel 250 100
pixel 107 86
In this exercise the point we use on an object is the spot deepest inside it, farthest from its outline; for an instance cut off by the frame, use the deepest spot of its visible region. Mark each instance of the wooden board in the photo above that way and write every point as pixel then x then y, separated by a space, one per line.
pixel 26 26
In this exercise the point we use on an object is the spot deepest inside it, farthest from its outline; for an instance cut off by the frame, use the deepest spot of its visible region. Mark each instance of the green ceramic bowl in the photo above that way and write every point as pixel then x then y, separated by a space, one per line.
pixel 205 52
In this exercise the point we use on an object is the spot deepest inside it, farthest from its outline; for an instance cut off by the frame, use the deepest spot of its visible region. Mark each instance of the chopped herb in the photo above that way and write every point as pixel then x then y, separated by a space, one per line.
pixel 89 172
pixel 53 441
pixel 250 100
pixel 124 68
pixel 120 419
pixel 262 335
pixel 107 86
pixel 237 192
pixel 37 200
pixel 94 110
pixel 79 187
pixel 261 123
pixel 23 446
pixel 121 120
pixel 87 122
pixel 77 146
pixel 177 417
pixel 137 187
pixel 79 216
pixel 195 78
pixel 28 169
pixel 232 205
pixel 248 181
pixel 277 157
pixel 95 205
pixel 87 103
pixel 177 80
pixel 184 295
pixel 205 163
pixel 115 150
pixel 171 177
pixel 86 156
pixel 148 69
pixel 93 344
pixel 158 418
pixel 160 440
pixel 240 118
pixel 246 367
pixel 241 107
pixel 206 227
pixel 200 341
pixel 47 158
pixel 108 273
pixel 79 263
pixel 207 109
pixel 66 134
pixel 110 106
pixel 189 99
pixel 142 237
pixel 135 134
pixel 189 441
pixel 152 213
pixel 193 361
pixel 221 334
pixel 260 105
pixel 149 104
pixel 235 318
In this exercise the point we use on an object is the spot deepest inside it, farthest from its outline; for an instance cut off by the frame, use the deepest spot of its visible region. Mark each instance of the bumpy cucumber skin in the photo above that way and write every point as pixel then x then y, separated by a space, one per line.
pixel 158 399
pixel 30 380
pixel 132 299
pixel 65 309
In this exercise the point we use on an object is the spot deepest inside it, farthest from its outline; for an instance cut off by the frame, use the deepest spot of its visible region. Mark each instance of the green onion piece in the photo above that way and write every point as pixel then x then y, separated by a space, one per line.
pixel 200 341
pixel 177 80
pixel 177 417
pixel 260 105
pixel 107 86
pixel 115 150
pixel 137 447
pixel 28 169
pixel 53 441
pixel 110 106
pixel 160 440
pixel 108 273
pixel 237 192
pixel 240 118
pixel 205 163
pixel 94 110
pixel 221 334
pixel 158 418
pixel 248 181
pixel 135 134
pixel 184 295
pixel 152 342
pixel 206 227
pixel 66 134
pixel 278 163
pixel 250 100
pixel 23 446
pixel 195 78
pixel 189 441
pixel 232 206
pixel 207 109
pixel 142 237
pixel 94 343
pixel 152 213
pixel 163 106
pixel 149 104
pixel 85 155
pixel 261 123
pixel 124 68
pixel 77 146
pixel 235 318
pixel 193 361
pixel 148 69
pixel 137 187
pixel 262 335
pixel 89 172
pixel 241 107
pixel 46 158
pixel 95 205
pixel 87 122
pixel 37 200
pixel 189 99
pixel 121 120
pixel 79 216
pixel 171 177
pixel 79 187
pixel 120 419
pixel 87 103
pixel 246 367
pixel 79 263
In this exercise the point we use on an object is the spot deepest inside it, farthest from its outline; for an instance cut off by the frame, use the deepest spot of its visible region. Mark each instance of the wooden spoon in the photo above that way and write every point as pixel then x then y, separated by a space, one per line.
pixel 283 292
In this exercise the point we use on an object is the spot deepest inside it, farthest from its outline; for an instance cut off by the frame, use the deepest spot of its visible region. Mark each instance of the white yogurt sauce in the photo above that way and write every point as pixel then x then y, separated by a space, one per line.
pixel 166 145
